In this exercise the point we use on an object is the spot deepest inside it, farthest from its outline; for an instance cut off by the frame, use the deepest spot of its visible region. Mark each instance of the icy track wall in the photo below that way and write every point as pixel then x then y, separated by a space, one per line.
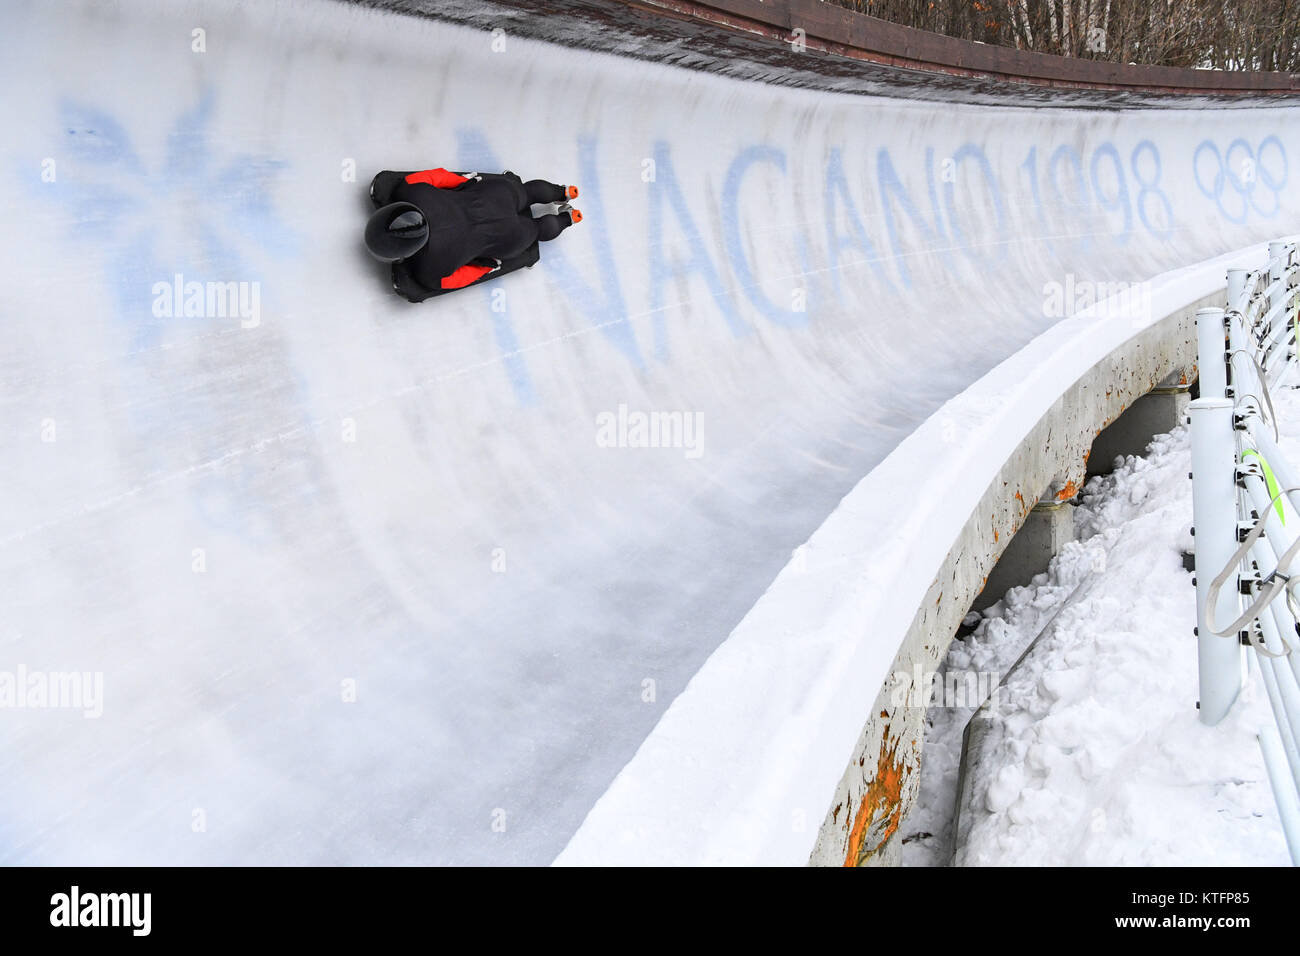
pixel 350 580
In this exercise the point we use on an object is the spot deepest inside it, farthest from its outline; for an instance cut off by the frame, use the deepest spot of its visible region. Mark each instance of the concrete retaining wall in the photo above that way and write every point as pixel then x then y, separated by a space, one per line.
pixel 882 780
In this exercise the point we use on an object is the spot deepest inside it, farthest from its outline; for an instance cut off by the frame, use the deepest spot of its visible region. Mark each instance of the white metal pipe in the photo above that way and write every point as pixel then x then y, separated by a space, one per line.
pixel 1270 548
pixel 1214 511
pixel 1237 289
pixel 1261 502
pixel 1290 747
pixel 1210 335
pixel 1283 683
pixel 1275 350
pixel 1241 370
pixel 1284 790
pixel 1275 612
pixel 1243 376
pixel 1278 321
pixel 1279 262
pixel 1293 661
pixel 1283 624
pixel 1274 317
pixel 1285 627
pixel 1288 694
pixel 1278 255
pixel 1287 476
pixel 1276 621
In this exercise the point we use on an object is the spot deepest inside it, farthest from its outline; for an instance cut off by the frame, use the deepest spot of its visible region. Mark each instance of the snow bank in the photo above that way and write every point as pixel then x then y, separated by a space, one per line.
pixel 1094 754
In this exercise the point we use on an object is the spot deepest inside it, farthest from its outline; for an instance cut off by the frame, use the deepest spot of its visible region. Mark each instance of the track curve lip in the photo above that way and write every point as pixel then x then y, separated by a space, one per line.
pixel 368 582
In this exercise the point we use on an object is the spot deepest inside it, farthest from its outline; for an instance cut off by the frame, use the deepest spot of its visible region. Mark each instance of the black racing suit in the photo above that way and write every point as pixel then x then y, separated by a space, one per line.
pixel 473 221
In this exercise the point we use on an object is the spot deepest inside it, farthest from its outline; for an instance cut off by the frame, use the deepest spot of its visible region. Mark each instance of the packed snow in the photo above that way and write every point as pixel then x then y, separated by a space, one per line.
pixel 1097 756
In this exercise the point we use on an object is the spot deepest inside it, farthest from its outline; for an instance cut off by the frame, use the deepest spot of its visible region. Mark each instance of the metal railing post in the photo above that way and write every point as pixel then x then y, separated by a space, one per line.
pixel 1237 289
pixel 1278 256
pixel 1214 514
pixel 1211 357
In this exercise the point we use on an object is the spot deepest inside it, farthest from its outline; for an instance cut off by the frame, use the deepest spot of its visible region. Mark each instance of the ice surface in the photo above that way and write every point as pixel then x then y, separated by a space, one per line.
pixel 239 522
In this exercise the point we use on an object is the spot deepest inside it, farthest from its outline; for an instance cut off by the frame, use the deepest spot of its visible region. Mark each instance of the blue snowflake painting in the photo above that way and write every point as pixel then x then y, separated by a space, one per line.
pixel 194 213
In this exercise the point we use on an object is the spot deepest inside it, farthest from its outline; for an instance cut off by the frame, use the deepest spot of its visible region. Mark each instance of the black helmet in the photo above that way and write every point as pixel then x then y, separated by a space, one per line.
pixel 396 232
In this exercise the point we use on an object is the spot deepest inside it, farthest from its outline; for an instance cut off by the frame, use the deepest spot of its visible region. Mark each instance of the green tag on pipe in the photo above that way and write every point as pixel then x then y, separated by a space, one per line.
pixel 1270 481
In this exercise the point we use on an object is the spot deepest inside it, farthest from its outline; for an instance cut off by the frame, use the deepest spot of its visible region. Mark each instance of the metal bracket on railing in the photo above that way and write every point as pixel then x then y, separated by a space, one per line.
pixel 1247 469
pixel 1255 407
pixel 1276 582
pixel 1271 418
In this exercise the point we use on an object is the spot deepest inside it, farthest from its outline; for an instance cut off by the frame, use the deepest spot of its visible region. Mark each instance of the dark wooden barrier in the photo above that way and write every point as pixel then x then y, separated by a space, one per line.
pixel 836 30
pixel 843 51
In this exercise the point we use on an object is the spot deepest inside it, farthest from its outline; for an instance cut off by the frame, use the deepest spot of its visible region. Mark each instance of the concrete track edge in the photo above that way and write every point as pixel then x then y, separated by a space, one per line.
pixel 878 787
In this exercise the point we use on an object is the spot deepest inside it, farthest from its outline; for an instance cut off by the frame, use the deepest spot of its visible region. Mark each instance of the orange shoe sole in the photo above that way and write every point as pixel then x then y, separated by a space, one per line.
pixel 575 215
pixel 571 192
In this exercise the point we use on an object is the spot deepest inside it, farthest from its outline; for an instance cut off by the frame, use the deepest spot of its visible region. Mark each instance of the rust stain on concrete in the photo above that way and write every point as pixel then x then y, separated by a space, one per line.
pixel 1068 492
pixel 880 811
